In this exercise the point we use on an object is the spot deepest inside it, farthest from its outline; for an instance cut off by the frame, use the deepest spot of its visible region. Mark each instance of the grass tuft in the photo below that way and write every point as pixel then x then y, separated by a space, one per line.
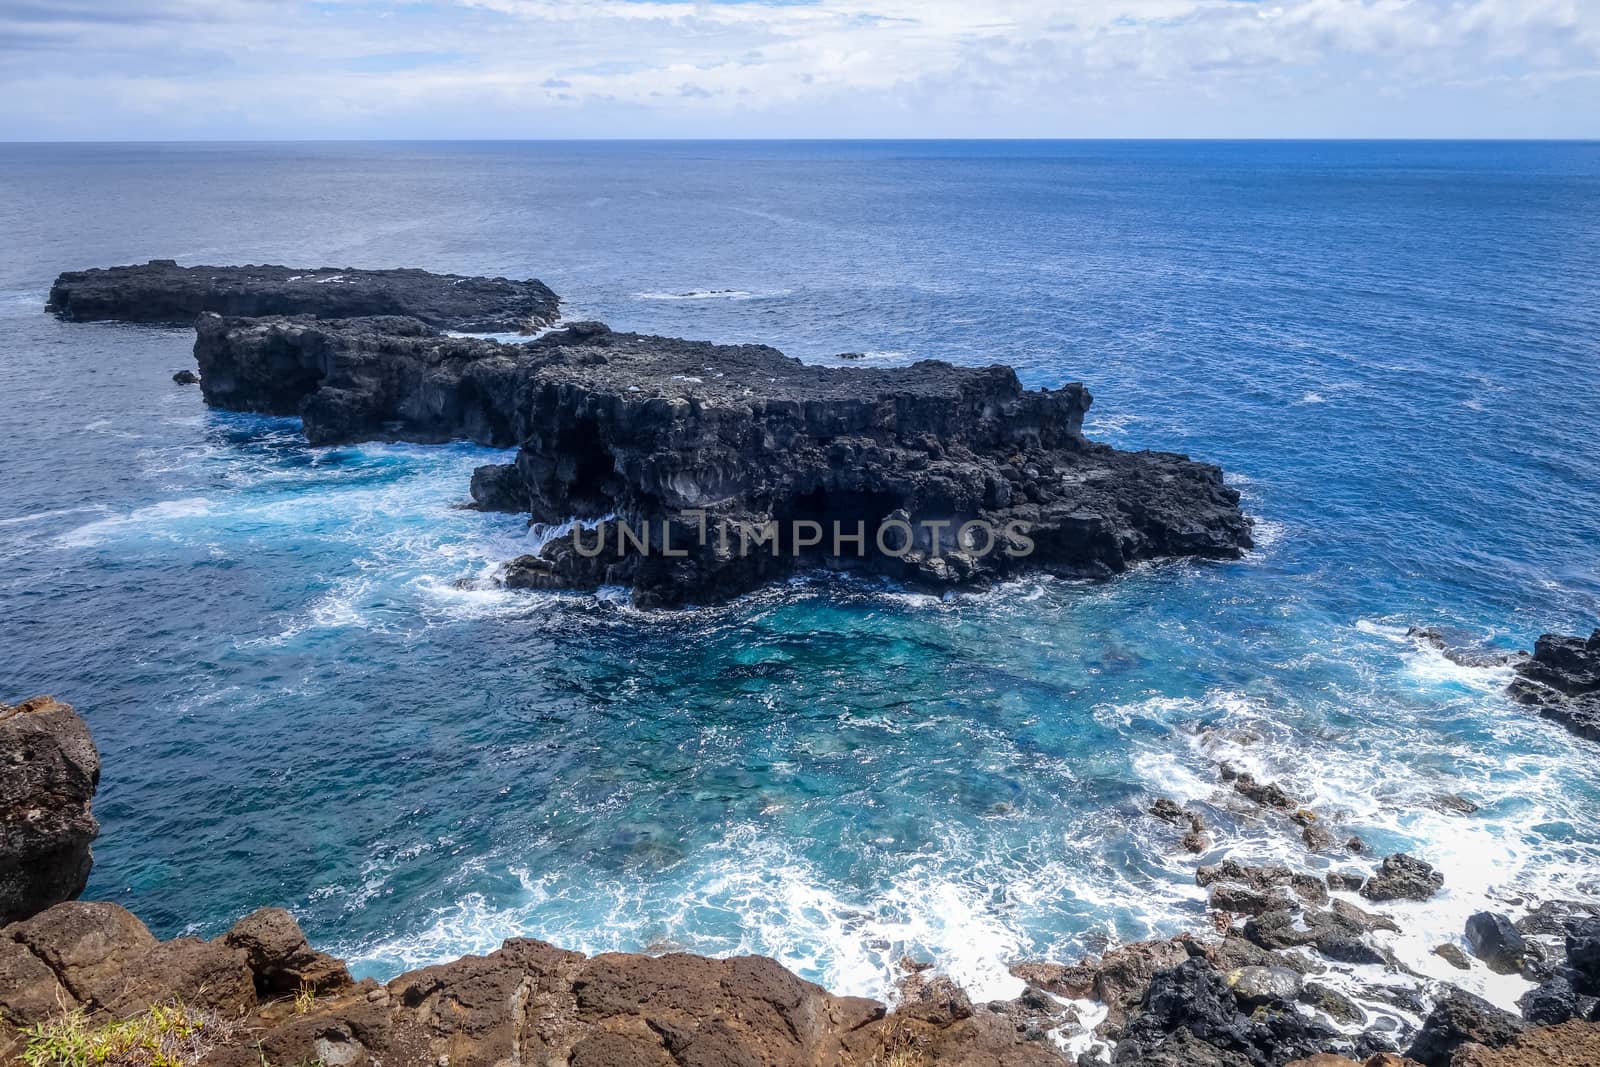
pixel 165 1035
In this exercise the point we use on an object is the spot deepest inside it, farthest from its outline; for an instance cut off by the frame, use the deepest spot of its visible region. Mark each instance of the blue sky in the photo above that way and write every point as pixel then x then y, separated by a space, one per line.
pixel 178 69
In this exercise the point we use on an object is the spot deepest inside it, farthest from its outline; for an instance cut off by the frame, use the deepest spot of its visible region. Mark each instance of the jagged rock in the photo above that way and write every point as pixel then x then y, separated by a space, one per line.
pixel 1459 1018
pixel 1583 954
pixel 1555 1000
pixel 1340 1008
pixel 1356 845
pixel 1279 930
pixel 281 958
pixel 1255 987
pixel 1317 838
pixel 1123 975
pixel 87 944
pixel 1073 981
pixel 206 975
pixel 1230 870
pixel 933 999
pixel 1331 934
pixel 1402 877
pixel 528 1002
pixel 1495 940
pixel 30 993
pixel 1234 951
pixel 162 291
pixel 1552 917
pixel 1573 1044
pixel 498 487
pixel 1562 680
pixel 1242 900
pixel 1345 881
pixel 1454 804
pixel 1267 794
pixel 186 377
pixel 1363 920
pixel 1309 888
pixel 1193 1002
pixel 51 773
pixel 722 461
pixel 1453 955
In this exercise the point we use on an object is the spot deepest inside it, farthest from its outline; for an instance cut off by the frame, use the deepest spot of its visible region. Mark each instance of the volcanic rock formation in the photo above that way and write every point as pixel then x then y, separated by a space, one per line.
pixel 49 770
pixel 162 291
pixel 1562 680
pixel 732 465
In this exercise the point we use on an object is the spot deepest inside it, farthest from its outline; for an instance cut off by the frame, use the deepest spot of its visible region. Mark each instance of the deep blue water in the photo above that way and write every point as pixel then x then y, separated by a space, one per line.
pixel 1394 349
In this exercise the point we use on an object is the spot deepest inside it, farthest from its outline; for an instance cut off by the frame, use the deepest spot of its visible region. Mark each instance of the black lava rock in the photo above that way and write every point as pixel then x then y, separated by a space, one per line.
pixel 1458 1018
pixel 162 291
pixel 1495 941
pixel 1402 877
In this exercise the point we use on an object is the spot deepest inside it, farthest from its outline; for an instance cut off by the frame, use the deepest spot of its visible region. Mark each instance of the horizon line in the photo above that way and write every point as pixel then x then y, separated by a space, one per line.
pixel 809 140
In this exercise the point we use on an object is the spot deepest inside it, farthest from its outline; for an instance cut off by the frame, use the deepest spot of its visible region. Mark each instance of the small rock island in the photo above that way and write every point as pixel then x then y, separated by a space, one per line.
pixel 693 472
pixel 160 291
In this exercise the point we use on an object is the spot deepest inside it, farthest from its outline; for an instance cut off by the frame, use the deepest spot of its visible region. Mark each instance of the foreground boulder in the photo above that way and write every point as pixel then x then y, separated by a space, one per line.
pixel 51 770
pixel 1193 1014
pixel 266 996
pixel 1562 680
pixel 162 291
pixel 1458 1019
pixel 708 470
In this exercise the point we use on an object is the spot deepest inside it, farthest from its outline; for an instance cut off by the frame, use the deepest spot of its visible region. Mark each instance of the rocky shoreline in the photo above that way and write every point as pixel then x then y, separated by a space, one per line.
pixel 1267 986
pixel 703 471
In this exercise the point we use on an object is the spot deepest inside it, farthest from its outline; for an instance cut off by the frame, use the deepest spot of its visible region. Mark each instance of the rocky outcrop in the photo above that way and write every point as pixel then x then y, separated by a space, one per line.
pixel 1460 1019
pixel 162 291
pixel 1496 941
pixel 1562 680
pixel 274 999
pixel 712 469
pixel 51 770
pixel 1402 877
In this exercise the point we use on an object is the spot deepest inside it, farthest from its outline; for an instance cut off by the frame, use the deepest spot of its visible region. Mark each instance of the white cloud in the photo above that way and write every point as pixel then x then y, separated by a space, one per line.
pixel 877 67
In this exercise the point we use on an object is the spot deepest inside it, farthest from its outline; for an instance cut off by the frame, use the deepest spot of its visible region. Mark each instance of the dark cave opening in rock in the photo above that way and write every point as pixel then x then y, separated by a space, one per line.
pixel 841 513
pixel 586 468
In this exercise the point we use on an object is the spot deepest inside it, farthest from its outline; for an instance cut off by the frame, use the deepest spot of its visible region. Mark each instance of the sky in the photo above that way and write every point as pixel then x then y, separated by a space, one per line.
pixel 286 69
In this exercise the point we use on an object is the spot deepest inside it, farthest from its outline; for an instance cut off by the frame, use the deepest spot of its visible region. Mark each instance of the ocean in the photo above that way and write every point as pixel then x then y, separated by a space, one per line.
pixel 308 691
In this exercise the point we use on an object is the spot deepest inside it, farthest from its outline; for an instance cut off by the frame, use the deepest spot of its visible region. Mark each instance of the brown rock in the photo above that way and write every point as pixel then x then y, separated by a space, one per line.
pixel 280 957
pixel 87 945
pixel 29 991
pixel 1323 1059
pixel 935 1000
pixel 1074 981
pixel 1125 974
pixel 1572 1044
pixel 51 770
pixel 200 974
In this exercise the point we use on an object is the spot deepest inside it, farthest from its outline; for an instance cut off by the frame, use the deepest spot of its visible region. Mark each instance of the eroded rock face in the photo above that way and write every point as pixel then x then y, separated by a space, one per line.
pixel 49 770
pixel 699 447
pixel 162 291
pixel 529 1003
pixel 1562 680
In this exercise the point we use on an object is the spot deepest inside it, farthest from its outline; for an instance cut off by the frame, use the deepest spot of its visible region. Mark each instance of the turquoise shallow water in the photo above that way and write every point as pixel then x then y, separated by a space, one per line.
pixel 308 691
